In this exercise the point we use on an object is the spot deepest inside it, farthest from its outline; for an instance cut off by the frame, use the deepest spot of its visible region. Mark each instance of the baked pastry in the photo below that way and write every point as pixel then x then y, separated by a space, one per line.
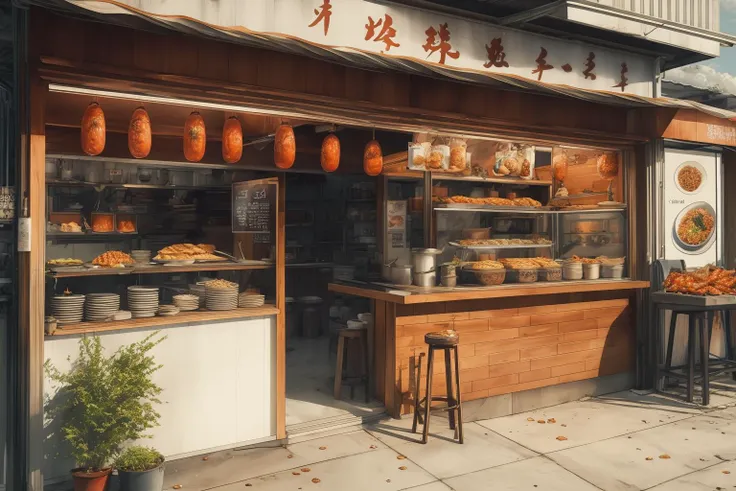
pixel 113 259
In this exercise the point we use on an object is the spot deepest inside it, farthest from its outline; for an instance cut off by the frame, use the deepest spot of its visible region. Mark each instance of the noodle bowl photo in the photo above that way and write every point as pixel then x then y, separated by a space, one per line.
pixel 694 227
pixel 690 177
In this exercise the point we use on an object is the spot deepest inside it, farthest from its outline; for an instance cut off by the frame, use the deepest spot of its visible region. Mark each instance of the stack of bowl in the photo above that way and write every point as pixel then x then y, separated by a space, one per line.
pixel 68 309
pixel 168 310
pixel 101 306
pixel 141 256
pixel 221 297
pixel 248 300
pixel 186 302
pixel 198 290
pixel 143 301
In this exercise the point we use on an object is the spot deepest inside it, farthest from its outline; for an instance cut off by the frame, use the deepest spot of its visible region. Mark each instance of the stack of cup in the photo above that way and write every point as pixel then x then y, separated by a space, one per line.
pixel 449 275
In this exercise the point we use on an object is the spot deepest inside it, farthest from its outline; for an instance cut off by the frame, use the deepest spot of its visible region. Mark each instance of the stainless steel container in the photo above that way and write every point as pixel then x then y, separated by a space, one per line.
pixel 425 259
pixel 401 275
pixel 425 280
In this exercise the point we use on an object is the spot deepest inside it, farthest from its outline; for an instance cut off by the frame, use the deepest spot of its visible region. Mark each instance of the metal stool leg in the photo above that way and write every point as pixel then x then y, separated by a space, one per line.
pixel 690 356
pixel 459 427
pixel 448 383
pixel 417 393
pixel 706 325
pixel 670 345
pixel 428 395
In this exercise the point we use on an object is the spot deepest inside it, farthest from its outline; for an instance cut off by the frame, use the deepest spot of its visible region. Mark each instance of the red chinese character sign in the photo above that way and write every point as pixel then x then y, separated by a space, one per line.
pixel 443 46
pixel 496 54
pixel 542 65
pixel 323 13
pixel 386 35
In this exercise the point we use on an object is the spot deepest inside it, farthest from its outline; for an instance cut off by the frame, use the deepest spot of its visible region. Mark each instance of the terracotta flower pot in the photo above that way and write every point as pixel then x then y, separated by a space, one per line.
pixel 90 481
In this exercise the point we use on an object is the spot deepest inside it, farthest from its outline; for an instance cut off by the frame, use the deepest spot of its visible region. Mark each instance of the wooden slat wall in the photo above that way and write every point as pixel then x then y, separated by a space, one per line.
pixel 506 348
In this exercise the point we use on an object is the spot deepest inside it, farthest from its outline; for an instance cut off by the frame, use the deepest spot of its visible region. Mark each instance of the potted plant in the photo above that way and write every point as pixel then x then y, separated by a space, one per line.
pixel 140 469
pixel 103 402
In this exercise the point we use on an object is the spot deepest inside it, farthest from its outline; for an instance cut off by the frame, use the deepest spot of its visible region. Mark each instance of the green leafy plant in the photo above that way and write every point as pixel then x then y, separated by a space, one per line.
pixel 103 402
pixel 139 459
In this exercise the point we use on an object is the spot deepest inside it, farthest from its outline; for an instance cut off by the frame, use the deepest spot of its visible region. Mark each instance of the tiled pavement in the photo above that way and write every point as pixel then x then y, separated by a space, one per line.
pixel 622 441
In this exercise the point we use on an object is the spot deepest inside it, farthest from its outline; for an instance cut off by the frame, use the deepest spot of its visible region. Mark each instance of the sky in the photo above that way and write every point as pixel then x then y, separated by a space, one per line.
pixel 727 62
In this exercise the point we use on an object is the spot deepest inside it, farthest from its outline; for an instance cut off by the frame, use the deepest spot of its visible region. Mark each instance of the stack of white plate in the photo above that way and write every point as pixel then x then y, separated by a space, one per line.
pixel 143 301
pixel 199 291
pixel 168 310
pixel 101 306
pixel 68 309
pixel 221 298
pixel 251 300
pixel 141 256
pixel 186 303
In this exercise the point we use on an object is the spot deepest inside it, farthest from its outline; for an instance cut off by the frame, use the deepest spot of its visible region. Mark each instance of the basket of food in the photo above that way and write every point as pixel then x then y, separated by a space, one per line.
pixel 612 267
pixel 549 270
pixel 488 273
pixel 520 270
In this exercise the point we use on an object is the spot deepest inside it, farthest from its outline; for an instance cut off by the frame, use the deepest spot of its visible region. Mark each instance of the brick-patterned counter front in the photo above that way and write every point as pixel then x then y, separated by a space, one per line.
pixel 511 345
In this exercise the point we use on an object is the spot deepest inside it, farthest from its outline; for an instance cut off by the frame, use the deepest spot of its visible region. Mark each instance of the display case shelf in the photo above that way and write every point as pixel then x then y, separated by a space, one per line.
pixel 500 247
pixel 517 181
pixel 157 269
pixel 520 209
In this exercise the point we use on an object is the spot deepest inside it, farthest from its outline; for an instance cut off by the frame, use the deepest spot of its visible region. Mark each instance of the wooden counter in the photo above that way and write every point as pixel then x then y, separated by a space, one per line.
pixel 197 316
pixel 415 295
pixel 513 338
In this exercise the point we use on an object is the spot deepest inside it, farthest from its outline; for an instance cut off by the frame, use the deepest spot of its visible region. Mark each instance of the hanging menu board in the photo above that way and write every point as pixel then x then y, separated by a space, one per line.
pixel 254 207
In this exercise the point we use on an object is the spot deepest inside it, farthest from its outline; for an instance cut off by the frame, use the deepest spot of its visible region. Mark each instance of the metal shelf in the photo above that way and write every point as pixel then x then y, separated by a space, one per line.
pixel 158 269
pixel 544 210
pixel 500 247
pixel 60 183
pixel 493 180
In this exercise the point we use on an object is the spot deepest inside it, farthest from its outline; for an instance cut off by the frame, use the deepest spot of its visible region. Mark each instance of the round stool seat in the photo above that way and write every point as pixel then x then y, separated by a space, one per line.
pixel 442 338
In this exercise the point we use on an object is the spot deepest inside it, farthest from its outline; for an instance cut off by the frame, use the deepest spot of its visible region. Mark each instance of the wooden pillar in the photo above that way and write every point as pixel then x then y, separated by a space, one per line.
pixel 281 305
pixel 31 277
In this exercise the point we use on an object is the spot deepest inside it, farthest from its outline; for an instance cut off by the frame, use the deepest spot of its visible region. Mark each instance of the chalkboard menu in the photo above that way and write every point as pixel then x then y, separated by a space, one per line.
pixel 254 206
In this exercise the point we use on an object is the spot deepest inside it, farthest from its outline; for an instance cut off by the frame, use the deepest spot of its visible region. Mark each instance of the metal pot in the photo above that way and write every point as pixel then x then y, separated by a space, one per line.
pixel 424 259
pixel 426 279
pixel 401 275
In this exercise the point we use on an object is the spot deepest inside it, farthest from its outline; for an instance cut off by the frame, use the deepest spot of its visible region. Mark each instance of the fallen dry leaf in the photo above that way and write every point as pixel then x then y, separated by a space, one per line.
pixel 316 481
pixel 552 421
pixel 205 459
pixel 649 458
pixel 295 473
pixel 388 480
pixel 249 485
pixel 561 438
pixel 402 468
pixel 541 421
pixel 530 420
pixel 373 447
pixel 177 486
pixel 305 469
pixel 290 456
pixel 400 457
pixel 563 425
pixel 726 472
pixel 323 448
pixel 664 456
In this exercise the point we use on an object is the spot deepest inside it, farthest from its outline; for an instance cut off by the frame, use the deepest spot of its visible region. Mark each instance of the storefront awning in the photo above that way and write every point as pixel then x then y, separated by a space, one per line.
pixel 322 28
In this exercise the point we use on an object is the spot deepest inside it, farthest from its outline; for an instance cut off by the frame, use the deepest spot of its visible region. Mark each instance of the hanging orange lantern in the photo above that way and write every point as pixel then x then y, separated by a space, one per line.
pixel 195 137
pixel 330 153
pixel 373 158
pixel 284 147
pixel 93 130
pixel 139 134
pixel 232 140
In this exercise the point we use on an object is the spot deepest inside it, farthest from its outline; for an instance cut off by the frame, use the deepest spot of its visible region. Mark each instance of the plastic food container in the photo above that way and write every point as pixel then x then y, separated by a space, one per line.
pixel 522 275
pixel 572 271
pixel 550 274
pixel 103 222
pixel 489 277
pixel 592 271
pixel 612 271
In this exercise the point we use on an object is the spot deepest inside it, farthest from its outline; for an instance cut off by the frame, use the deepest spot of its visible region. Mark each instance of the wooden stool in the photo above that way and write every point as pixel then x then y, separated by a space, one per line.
pixel 446 341
pixel 353 335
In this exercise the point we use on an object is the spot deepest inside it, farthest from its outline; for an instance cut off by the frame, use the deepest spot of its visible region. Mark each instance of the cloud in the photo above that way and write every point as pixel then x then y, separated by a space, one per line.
pixel 704 77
